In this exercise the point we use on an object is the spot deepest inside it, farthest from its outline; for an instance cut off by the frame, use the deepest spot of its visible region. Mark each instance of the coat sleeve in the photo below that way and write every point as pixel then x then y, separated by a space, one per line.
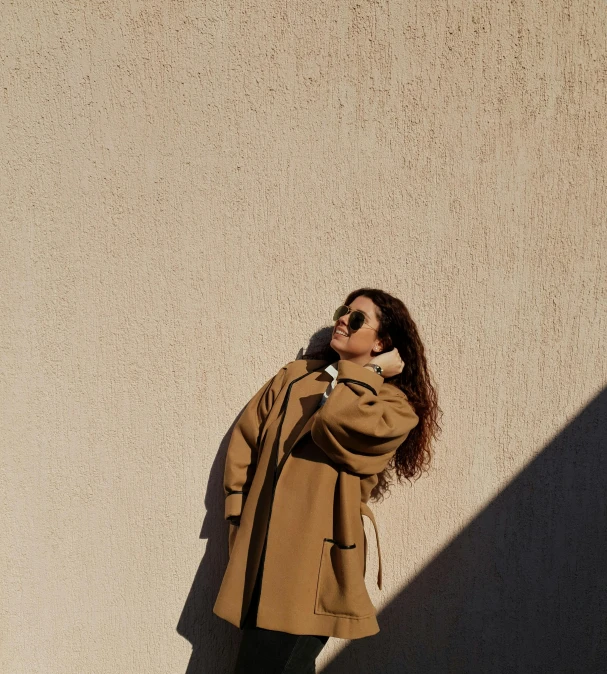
pixel 362 424
pixel 241 457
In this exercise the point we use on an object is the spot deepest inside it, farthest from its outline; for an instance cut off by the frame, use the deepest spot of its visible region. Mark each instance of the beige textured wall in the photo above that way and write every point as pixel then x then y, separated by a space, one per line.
pixel 188 190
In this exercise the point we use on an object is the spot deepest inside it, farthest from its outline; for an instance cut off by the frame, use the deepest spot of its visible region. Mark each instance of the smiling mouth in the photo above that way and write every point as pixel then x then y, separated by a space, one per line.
pixel 335 333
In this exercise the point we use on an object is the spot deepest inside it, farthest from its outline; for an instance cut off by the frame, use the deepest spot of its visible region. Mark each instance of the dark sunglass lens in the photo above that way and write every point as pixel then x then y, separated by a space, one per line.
pixel 339 312
pixel 356 320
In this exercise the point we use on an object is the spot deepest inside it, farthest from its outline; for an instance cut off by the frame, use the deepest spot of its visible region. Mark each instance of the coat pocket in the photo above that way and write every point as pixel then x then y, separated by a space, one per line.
pixel 341 589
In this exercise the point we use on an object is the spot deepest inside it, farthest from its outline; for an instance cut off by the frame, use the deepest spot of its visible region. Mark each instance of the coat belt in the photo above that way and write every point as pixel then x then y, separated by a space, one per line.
pixel 365 510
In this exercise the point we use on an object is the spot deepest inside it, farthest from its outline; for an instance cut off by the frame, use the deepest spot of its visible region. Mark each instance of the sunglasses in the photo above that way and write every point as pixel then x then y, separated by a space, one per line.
pixel 357 318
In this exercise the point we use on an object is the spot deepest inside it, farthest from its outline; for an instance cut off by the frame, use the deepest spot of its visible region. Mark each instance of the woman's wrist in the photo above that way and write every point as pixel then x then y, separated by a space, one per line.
pixel 374 367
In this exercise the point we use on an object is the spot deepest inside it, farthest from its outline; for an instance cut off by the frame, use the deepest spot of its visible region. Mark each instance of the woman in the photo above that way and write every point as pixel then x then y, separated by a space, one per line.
pixel 303 460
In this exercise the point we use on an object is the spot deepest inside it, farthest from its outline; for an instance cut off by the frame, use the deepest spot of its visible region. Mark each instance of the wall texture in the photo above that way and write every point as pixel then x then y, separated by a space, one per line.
pixel 188 189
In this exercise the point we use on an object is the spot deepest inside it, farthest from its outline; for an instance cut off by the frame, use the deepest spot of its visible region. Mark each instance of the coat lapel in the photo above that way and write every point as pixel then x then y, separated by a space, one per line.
pixel 309 396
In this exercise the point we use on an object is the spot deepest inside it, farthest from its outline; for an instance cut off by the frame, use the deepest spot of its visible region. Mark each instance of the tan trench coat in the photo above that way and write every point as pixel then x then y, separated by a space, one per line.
pixel 303 498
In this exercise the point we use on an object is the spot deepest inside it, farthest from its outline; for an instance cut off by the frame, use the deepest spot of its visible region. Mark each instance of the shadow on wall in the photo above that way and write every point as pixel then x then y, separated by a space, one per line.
pixel 214 641
pixel 523 589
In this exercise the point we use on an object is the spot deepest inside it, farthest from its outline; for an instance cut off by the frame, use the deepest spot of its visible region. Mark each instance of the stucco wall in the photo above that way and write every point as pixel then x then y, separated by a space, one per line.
pixel 188 190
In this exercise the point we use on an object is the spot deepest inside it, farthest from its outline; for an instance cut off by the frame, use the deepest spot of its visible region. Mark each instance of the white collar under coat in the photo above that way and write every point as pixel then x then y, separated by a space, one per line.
pixel 332 370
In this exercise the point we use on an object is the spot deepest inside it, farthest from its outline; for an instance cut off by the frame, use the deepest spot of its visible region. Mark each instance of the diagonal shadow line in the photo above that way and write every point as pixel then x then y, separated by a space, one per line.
pixel 523 589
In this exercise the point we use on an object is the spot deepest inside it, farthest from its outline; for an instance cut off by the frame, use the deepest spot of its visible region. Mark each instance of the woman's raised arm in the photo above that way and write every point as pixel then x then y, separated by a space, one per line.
pixel 361 424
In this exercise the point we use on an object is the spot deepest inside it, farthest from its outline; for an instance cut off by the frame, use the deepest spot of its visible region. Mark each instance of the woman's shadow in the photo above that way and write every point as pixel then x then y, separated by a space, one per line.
pixel 214 641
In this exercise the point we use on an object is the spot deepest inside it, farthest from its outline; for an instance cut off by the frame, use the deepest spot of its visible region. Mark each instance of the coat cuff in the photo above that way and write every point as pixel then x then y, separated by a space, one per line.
pixel 348 370
pixel 233 507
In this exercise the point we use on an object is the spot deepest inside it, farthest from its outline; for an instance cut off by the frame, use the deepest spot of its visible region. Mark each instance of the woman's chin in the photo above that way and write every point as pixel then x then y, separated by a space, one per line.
pixel 336 344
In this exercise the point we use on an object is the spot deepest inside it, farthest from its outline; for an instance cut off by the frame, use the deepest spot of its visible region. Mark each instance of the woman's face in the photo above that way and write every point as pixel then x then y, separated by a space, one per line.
pixel 359 344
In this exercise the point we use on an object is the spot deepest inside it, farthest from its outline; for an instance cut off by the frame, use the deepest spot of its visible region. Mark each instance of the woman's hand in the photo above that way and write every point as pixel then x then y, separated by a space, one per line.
pixel 390 362
pixel 233 530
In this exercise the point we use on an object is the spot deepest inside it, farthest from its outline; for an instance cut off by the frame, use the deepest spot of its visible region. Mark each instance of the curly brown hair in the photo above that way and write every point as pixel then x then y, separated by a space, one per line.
pixel 398 330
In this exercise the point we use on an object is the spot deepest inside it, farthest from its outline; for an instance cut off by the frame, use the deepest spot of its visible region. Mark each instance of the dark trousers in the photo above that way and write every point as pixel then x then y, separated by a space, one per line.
pixel 271 652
